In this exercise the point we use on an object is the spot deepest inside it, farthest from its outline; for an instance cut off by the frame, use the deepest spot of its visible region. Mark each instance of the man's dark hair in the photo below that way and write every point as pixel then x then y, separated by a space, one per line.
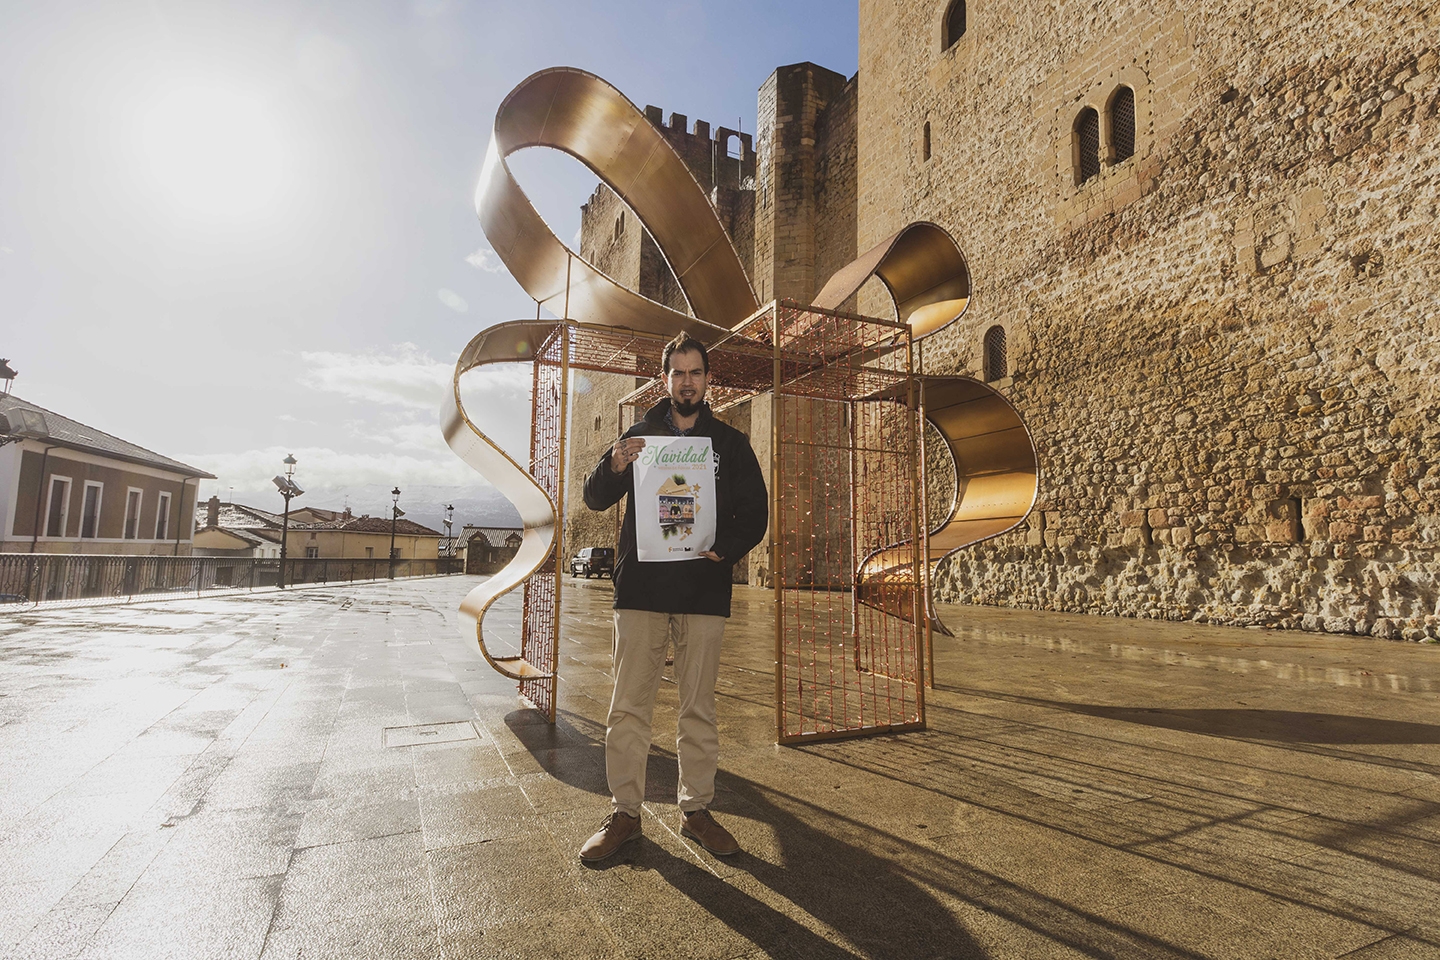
pixel 683 343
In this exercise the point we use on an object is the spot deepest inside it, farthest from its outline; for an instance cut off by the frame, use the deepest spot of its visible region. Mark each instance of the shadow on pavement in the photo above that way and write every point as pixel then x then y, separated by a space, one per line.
pixel 882 895
pixel 865 898
pixel 1286 726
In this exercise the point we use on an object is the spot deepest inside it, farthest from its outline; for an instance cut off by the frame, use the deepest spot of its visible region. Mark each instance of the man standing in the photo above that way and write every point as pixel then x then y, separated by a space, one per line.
pixel 686 601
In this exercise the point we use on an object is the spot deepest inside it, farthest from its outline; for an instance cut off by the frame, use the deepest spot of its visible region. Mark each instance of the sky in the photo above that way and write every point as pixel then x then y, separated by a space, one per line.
pixel 232 231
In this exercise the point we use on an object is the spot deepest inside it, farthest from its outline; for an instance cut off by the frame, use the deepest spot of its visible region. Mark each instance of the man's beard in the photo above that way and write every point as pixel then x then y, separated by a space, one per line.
pixel 686 408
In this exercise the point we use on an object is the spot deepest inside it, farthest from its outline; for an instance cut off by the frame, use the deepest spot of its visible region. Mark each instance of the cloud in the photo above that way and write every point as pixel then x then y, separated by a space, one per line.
pixel 487 260
pixel 326 467
pixel 452 300
pixel 390 435
pixel 404 376
pixel 403 387
pixel 6 250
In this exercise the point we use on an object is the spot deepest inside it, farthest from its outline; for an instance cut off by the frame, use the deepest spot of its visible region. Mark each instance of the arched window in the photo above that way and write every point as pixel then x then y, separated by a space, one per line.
pixel 1087 145
pixel 1122 125
pixel 925 142
pixel 995 360
pixel 954 23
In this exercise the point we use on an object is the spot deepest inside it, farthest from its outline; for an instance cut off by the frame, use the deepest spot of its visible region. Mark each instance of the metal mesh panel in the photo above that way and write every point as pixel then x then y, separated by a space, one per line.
pixel 1087 137
pixel 845 488
pixel 1122 124
pixel 539 637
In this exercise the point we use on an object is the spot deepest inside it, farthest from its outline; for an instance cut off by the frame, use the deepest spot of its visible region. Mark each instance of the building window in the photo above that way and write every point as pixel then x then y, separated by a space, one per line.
pixel 1087 145
pixel 132 513
pixel 995 360
pixel 369 553
pixel 90 511
pixel 1122 125
pixel 312 553
pixel 57 511
pixel 954 23
pixel 162 518
pixel 620 225
pixel 925 142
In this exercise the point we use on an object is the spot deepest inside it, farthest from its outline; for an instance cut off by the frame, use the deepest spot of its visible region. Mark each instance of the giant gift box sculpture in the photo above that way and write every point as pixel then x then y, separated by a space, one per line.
pixel 850 549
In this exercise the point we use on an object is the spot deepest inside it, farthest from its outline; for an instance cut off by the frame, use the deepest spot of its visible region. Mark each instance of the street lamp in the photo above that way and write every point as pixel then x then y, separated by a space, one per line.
pixel 449 525
pixel 394 515
pixel 286 486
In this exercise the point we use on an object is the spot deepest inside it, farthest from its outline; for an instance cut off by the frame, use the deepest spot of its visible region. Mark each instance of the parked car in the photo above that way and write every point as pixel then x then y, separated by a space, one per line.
pixel 593 561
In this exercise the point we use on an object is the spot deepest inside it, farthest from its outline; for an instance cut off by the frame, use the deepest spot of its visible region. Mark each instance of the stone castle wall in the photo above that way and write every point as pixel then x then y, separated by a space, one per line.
pixel 1225 345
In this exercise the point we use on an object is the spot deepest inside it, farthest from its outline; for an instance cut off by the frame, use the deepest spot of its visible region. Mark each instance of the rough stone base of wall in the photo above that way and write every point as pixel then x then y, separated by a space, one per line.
pixel 1388 592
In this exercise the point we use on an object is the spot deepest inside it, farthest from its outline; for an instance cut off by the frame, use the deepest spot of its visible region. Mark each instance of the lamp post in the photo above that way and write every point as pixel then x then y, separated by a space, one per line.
pixel 394 515
pixel 288 489
pixel 449 527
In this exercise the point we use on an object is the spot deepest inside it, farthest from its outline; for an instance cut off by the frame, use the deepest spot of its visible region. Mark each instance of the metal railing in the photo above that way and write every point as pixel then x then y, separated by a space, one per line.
pixel 30 578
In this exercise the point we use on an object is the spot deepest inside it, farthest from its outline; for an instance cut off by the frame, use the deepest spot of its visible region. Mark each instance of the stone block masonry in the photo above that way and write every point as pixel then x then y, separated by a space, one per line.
pixel 1226 344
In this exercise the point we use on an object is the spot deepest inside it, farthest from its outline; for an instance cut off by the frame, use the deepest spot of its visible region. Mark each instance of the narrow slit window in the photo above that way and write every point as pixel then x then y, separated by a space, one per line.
pixel 1087 145
pixel 995 359
pixel 1295 513
pixel 925 142
pixel 954 23
pixel 1122 124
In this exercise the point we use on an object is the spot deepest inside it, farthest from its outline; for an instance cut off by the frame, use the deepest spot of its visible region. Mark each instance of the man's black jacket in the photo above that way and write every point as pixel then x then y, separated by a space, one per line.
pixel 741 512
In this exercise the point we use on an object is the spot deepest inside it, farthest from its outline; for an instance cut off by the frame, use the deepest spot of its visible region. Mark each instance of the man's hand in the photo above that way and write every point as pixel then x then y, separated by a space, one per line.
pixel 625 452
pixel 712 555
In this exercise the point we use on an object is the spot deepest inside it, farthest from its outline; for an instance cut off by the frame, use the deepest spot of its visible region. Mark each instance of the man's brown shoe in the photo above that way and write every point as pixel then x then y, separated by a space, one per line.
pixel 617 830
pixel 702 828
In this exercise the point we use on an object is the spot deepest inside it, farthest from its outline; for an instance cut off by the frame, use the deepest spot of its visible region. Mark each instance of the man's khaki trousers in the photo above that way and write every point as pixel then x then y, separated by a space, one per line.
pixel 640 640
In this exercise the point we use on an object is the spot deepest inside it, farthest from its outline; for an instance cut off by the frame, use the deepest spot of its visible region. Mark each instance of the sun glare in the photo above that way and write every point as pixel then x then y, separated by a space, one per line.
pixel 214 152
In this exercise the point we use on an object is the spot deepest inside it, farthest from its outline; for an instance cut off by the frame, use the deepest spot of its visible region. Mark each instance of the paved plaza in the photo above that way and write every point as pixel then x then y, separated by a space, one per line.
pixel 332 773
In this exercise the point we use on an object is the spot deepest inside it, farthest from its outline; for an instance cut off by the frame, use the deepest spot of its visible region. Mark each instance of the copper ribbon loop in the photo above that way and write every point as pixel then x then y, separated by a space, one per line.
pixel 577 112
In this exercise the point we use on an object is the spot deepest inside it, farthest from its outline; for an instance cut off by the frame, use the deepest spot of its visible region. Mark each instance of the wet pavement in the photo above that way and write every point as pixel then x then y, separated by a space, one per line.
pixel 332 773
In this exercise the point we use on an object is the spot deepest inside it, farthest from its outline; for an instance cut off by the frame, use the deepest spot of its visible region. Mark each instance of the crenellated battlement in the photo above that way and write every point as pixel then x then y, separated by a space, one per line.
pixel 726 159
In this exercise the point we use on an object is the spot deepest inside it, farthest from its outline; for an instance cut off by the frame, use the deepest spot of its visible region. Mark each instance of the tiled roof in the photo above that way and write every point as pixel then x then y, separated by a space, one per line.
pixel 252 537
pixel 237 516
pixel 408 528
pixel 240 516
pixel 65 432
pixel 495 536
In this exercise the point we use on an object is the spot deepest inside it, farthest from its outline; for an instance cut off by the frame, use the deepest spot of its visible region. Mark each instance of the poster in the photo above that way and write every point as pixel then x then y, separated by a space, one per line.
pixel 674 498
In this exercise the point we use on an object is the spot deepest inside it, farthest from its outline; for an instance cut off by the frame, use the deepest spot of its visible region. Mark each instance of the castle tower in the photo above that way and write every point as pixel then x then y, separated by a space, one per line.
pixel 788 203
